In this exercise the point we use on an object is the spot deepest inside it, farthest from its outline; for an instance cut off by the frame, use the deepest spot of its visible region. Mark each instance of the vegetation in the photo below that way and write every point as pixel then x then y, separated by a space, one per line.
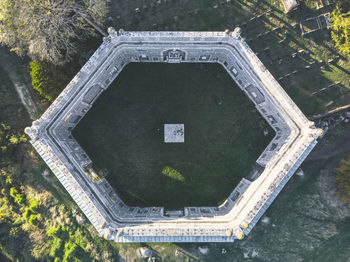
pixel 26 193
pixel 48 30
pixel 342 177
pixel 17 212
pixel 224 134
pixel 36 225
pixel 341 30
pixel 344 5
pixel 54 239
pixel 8 139
pixel 47 79
pixel 172 173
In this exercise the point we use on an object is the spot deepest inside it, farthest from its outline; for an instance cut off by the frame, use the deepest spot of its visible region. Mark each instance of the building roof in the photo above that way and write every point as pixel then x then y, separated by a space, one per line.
pixel 289 5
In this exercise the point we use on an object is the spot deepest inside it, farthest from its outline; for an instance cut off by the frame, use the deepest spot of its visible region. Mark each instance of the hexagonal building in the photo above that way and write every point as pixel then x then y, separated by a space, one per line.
pixel 295 137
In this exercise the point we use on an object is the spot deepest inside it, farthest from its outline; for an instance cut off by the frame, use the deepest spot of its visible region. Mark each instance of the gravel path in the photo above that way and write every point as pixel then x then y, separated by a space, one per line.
pixel 11 64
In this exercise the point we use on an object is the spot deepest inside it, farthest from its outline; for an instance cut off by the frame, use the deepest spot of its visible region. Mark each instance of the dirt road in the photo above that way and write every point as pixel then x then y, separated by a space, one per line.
pixel 19 76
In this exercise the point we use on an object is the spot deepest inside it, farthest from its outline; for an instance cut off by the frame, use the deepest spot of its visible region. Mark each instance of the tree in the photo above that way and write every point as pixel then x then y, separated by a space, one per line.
pixel 47 79
pixel 341 30
pixel 47 30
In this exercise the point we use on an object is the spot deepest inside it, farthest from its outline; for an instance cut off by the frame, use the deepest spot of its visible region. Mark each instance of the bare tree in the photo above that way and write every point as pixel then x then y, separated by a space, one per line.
pixel 49 29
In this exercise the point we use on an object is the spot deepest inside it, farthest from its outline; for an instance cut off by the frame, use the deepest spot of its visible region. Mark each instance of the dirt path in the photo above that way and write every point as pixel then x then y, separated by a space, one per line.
pixel 19 77
pixel 25 97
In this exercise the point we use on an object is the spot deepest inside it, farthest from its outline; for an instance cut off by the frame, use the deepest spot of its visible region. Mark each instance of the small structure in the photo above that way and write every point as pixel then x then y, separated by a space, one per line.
pixel 174 133
pixel 313 24
pixel 289 5
pixel 323 3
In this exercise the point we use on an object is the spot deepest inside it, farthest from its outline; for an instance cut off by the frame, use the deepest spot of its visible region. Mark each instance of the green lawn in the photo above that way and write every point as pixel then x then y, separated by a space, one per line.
pixel 123 132
pixel 208 15
pixel 313 237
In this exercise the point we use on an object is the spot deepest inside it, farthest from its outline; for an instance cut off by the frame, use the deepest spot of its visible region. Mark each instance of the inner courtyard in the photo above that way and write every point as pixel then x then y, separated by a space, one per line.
pixel 224 135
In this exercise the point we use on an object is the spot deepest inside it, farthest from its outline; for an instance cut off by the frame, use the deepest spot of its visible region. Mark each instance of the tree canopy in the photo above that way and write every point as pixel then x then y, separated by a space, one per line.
pixel 47 30
pixel 341 29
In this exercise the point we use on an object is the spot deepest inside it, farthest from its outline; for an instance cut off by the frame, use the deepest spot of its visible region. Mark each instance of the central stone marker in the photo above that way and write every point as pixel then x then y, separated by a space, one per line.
pixel 174 133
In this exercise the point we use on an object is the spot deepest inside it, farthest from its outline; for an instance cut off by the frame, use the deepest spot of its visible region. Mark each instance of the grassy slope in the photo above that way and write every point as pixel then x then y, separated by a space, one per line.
pixel 223 134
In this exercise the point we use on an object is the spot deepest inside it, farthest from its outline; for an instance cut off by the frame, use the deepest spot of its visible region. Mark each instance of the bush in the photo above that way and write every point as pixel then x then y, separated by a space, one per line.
pixel 47 79
pixel 34 219
pixel 30 212
pixel 340 30
pixel 171 172
pixel 74 252
pixel 56 247
pixel 17 197
pixel 8 140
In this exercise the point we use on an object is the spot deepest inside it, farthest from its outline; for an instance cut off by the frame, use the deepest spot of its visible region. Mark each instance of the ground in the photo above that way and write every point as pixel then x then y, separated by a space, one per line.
pixel 262 34
pixel 305 222
pixel 124 132
pixel 336 143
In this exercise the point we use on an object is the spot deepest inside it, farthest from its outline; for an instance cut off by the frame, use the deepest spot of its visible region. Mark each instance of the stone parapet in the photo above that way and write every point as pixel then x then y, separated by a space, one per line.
pixel 51 137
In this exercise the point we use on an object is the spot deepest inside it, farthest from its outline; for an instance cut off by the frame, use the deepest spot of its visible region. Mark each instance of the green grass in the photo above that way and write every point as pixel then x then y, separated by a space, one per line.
pixel 123 132
pixel 200 15
pixel 276 244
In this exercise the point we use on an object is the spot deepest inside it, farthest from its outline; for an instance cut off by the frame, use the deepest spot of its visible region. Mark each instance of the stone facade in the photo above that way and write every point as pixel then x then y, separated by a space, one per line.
pixel 295 137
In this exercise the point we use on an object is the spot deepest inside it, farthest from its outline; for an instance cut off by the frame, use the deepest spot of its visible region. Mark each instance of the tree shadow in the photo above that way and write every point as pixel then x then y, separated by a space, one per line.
pixel 16 242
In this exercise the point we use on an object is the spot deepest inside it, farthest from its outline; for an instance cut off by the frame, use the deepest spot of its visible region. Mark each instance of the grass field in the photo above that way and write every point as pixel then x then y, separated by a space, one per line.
pixel 123 132
pixel 263 32
pixel 294 209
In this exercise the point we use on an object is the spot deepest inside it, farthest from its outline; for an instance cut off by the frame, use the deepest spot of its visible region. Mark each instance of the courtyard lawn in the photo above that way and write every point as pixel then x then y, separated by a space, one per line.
pixel 124 133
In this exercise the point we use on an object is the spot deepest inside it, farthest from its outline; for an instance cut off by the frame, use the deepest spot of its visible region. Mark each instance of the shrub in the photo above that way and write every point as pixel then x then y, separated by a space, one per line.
pixel 47 79
pixel 55 231
pixel 8 140
pixel 34 219
pixel 16 196
pixel 30 213
pixel 56 247
pixel 69 251
pixel 171 172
